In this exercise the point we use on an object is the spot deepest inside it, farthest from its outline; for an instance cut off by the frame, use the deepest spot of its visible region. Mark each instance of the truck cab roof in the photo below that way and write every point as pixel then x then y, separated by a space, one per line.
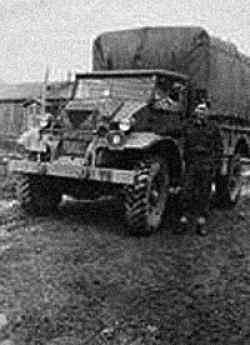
pixel 133 73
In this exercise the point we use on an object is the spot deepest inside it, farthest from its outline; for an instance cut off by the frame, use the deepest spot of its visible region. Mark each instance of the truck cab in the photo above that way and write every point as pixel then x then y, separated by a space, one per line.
pixel 116 95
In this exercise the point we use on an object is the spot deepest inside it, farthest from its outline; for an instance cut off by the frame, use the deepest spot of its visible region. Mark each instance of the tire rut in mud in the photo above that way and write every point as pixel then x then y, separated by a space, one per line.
pixel 156 290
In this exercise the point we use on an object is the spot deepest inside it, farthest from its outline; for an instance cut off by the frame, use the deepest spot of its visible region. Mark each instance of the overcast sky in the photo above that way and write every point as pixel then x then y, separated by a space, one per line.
pixel 58 33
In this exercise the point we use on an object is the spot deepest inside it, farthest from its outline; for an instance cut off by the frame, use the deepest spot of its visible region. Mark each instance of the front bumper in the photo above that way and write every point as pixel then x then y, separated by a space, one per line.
pixel 73 170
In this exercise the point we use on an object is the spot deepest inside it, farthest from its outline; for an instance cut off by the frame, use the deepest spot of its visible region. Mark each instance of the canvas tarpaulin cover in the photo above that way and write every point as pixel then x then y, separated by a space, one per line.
pixel 210 63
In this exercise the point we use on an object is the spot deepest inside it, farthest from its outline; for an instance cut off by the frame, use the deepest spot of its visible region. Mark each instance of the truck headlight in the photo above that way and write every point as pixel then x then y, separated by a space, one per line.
pixel 115 138
pixel 125 125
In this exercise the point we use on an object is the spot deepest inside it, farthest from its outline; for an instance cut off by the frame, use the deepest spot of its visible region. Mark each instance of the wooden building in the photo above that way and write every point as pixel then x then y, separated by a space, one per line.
pixel 20 104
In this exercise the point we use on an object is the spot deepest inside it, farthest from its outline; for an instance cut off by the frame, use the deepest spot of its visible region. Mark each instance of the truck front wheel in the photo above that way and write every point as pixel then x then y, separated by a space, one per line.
pixel 146 200
pixel 37 195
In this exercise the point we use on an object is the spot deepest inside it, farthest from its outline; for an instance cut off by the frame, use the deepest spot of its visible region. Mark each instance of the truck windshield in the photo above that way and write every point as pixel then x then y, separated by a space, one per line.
pixel 125 87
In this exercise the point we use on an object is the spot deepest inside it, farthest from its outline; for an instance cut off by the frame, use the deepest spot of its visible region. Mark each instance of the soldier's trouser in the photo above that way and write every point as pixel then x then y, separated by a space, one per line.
pixel 197 188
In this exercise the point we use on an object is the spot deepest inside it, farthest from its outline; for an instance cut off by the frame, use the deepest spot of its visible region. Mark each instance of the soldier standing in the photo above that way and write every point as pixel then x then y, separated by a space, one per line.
pixel 202 153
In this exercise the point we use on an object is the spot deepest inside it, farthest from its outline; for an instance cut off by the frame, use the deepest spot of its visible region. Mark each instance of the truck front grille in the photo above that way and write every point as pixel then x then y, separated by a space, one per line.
pixel 74 148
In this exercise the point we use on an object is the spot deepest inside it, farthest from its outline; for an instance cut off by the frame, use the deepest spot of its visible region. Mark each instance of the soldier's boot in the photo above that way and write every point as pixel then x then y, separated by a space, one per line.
pixel 183 225
pixel 201 226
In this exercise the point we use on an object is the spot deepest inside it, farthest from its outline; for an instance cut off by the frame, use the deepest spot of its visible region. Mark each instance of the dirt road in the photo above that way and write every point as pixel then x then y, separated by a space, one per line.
pixel 77 278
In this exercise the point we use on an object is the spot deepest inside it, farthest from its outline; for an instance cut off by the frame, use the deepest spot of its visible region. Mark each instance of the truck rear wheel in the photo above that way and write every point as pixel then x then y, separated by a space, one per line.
pixel 145 202
pixel 228 188
pixel 37 195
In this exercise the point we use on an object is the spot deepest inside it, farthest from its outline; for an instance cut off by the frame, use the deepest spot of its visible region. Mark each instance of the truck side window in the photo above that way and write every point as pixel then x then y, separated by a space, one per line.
pixel 170 97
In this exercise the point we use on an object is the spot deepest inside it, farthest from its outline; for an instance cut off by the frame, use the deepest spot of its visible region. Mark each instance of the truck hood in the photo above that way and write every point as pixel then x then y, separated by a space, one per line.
pixel 110 110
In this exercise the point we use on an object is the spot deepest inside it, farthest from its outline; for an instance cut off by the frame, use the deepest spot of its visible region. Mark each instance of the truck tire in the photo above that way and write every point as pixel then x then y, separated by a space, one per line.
pixel 146 200
pixel 228 188
pixel 36 195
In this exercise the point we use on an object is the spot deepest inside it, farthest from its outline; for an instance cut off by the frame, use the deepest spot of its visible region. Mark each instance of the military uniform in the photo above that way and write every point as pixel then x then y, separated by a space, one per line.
pixel 202 153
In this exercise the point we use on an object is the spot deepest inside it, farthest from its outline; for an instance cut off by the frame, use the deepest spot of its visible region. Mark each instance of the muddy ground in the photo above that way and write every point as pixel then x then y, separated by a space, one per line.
pixel 78 278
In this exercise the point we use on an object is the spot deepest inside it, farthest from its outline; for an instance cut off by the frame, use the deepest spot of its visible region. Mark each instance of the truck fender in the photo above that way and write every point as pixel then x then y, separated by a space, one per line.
pixel 31 141
pixel 142 140
pixel 167 147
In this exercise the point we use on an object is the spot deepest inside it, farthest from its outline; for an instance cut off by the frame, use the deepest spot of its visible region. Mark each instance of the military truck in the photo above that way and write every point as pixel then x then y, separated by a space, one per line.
pixel 121 132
